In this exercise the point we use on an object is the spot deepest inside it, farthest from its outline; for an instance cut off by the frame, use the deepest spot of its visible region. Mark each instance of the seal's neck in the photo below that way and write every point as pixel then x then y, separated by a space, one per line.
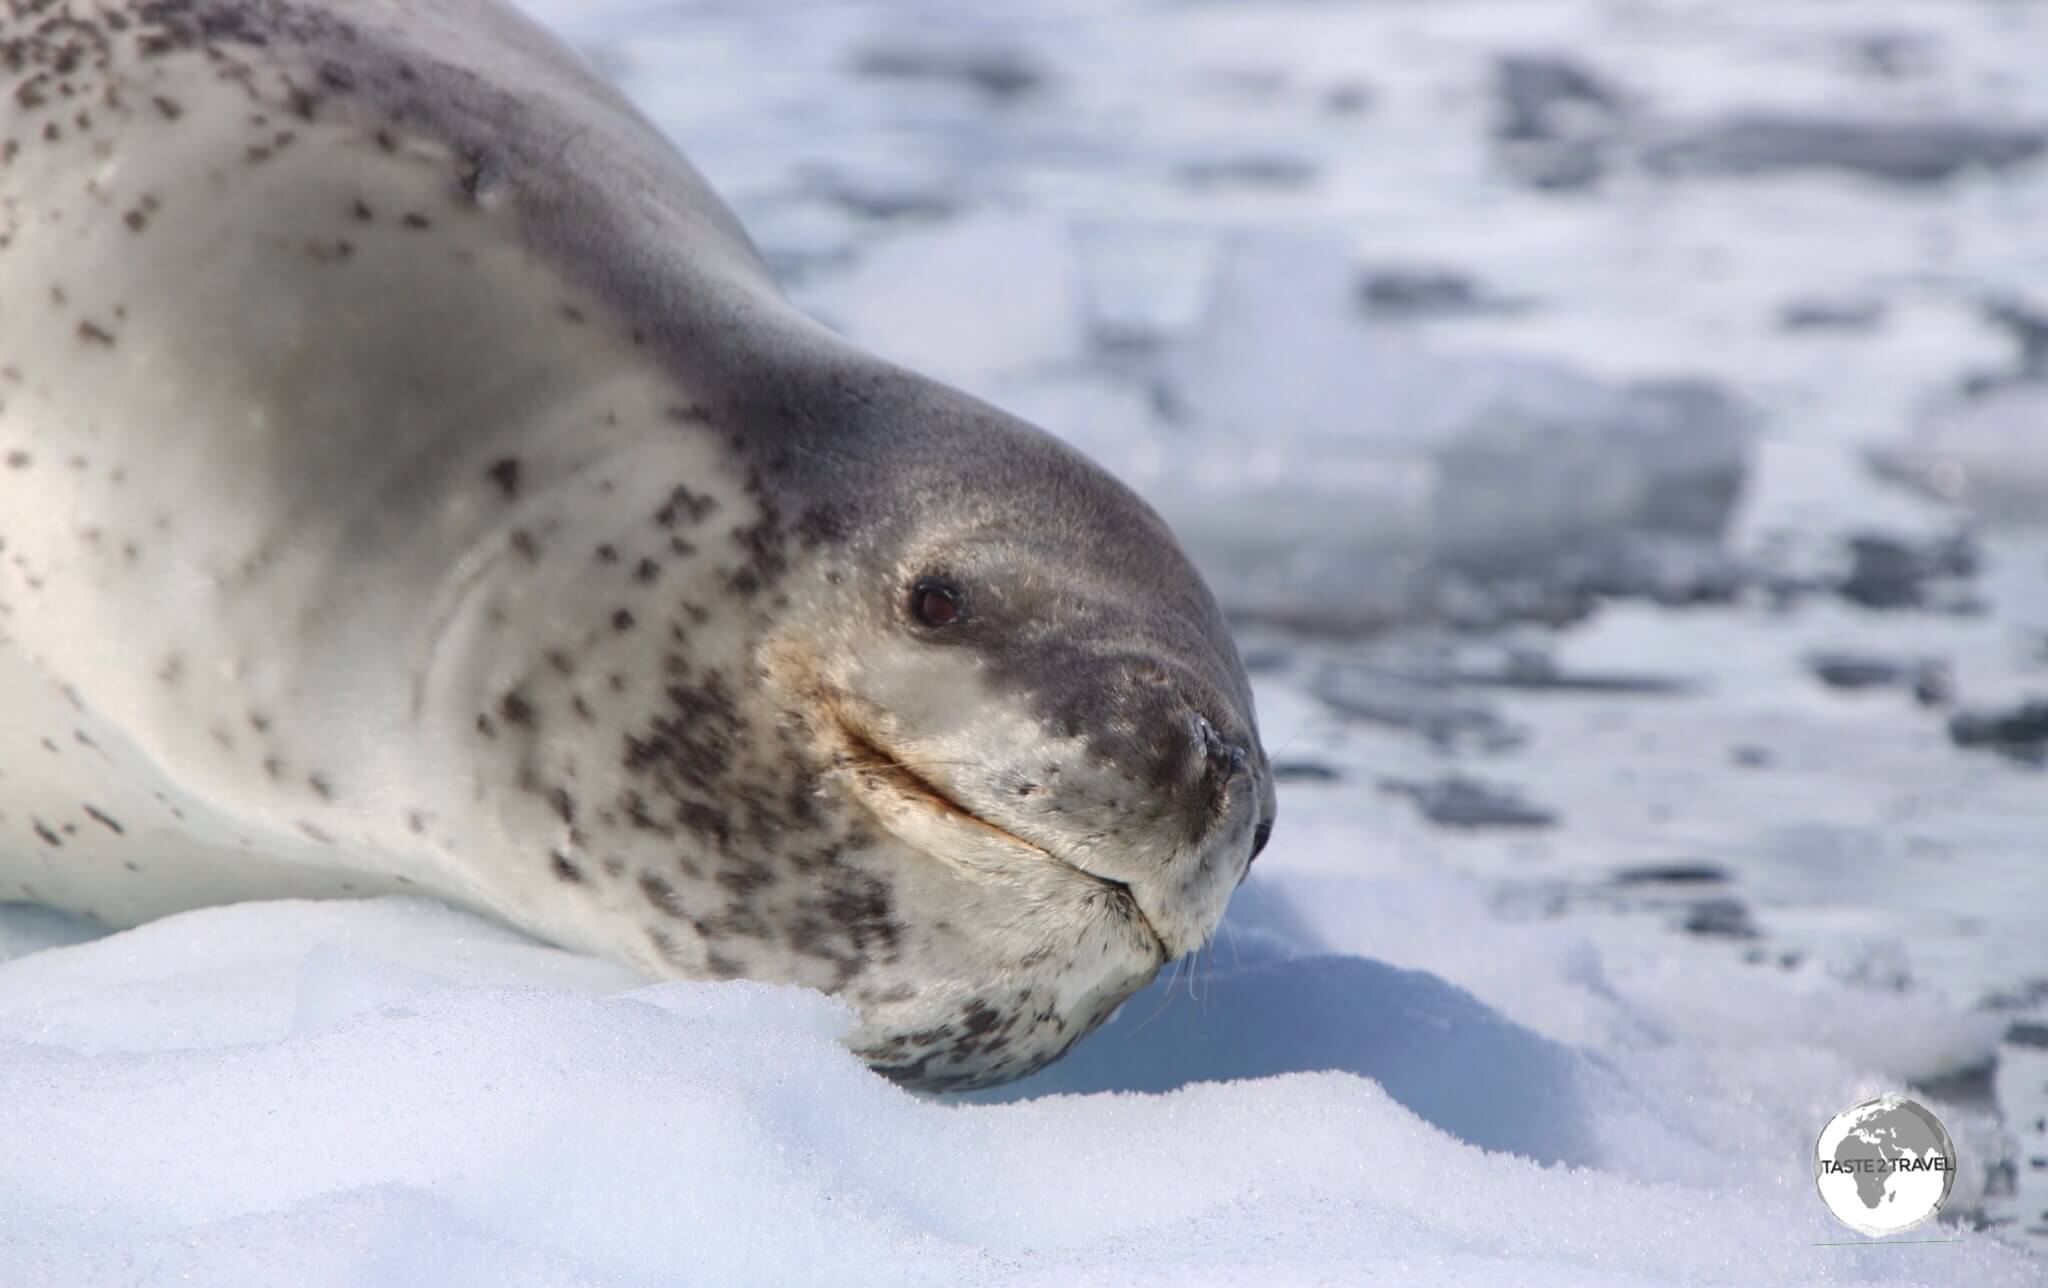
pixel 604 571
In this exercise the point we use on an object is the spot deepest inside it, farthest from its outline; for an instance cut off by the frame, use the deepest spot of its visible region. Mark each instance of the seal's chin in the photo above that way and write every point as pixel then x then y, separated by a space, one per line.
pixel 925 816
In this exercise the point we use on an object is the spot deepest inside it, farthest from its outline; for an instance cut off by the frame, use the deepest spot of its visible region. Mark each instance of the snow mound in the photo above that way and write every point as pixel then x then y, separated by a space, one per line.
pixel 392 1092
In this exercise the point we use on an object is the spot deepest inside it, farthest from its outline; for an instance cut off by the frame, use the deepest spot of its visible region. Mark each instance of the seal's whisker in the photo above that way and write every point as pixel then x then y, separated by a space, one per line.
pixel 1285 743
pixel 1166 995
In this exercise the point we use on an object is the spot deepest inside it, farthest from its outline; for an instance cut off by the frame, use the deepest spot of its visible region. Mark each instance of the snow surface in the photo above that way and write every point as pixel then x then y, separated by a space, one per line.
pixel 390 1091
pixel 1596 1051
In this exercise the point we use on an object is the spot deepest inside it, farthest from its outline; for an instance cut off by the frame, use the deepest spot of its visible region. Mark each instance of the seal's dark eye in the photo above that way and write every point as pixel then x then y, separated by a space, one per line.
pixel 937 603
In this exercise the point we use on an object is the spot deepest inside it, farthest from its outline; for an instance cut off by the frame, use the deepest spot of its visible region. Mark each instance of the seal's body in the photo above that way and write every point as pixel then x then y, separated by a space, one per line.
pixel 411 480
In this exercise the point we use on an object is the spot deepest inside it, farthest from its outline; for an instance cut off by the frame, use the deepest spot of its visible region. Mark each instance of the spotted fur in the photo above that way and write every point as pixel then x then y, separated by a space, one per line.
pixel 411 480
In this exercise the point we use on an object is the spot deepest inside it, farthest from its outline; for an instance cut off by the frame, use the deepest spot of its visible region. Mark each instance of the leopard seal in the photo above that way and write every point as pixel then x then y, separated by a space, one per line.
pixel 412 480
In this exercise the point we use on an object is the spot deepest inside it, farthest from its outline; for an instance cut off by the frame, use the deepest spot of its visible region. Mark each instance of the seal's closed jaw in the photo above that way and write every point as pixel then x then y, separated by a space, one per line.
pixel 968 772
pixel 903 797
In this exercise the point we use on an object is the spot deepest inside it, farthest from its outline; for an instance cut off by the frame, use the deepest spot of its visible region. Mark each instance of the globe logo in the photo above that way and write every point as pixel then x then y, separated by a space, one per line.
pixel 1884 1166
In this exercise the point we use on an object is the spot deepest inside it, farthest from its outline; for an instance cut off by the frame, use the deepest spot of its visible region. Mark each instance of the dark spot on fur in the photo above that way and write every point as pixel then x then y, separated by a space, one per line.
pixel 661 894
pixel 565 868
pixel 47 836
pixel 505 474
pixel 647 571
pixel 683 503
pixel 706 823
pixel 321 787
pixel 526 545
pixel 745 880
pixel 690 744
pixel 861 905
pixel 640 816
pixel 92 333
pixel 978 1021
pixel 607 553
pixel 822 524
pixel 105 821
pixel 469 174
pixel 337 77
pixel 622 620
pixel 414 219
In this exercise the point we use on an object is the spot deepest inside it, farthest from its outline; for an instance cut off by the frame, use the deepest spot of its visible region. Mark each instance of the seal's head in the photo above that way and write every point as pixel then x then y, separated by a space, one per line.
pixel 1026 684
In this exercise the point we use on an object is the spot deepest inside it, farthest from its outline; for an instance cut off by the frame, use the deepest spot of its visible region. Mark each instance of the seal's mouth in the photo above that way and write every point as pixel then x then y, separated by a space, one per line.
pixel 866 757
pixel 910 790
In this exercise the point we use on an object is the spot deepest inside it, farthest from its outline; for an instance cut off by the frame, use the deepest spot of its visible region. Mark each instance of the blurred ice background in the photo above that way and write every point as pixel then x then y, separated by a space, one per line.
pixel 1620 430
